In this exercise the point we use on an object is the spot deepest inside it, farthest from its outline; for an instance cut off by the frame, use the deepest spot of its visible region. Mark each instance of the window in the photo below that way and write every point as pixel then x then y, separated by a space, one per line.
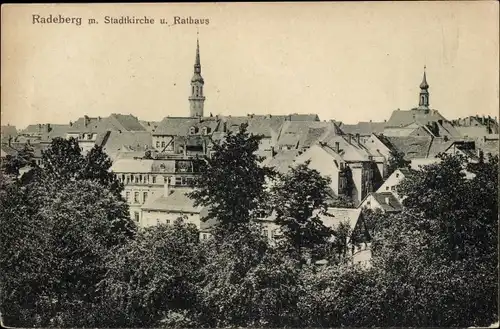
pixel 136 216
pixel 368 203
pixel 163 144
pixel 192 130
pixel 154 179
pixel 393 188
pixel 264 233
pixel 387 188
pixel 127 196
pixel 157 221
pixel 397 175
pixel 136 197
pixel 157 144
pixel 168 221
pixel 144 196
pixel 204 236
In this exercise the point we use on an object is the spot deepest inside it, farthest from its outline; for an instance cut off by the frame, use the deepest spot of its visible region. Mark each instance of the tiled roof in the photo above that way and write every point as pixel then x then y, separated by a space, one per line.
pixel 305 133
pixel 363 128
pixel 404 118
pixel 439 145
pixel 114 142
pixel 176 201
pixel 387 201
pixel 7 150
pixel 412 147
pixel 126 122
pixel 132 166
pixel 177 126
pixel 55 131
pixel 282 160
pixel 335 216
pixel 149 125
pixel 6 131
pixel 351 152
pixel 115 122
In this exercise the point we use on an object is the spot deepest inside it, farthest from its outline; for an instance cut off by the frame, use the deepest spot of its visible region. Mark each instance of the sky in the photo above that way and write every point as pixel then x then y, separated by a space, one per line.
pixel 347 61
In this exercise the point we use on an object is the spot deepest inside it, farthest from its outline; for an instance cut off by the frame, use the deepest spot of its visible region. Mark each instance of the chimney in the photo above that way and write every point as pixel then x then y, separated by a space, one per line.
pixel 71 124
pixel 483 120
pixel 99 118
pixel 357 138
pixel 166 187
pixel 48 128
pixel 86 120
pixel 337 147
pixel 10 140
pixel 349 137
pixel 272 151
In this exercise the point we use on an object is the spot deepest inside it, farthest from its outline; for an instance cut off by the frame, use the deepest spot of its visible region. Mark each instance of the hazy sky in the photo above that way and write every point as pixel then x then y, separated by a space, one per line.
pixel 344 61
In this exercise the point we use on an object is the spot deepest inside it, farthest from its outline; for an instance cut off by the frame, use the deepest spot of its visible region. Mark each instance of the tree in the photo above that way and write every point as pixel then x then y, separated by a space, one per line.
pixel 437 260
pixel 152 276
pixel 23 158
pixel 58 223
pixel 246 283
pixel 53 249
pixel 63 160
pixel 299 199
pixel 96 166
pixel 231 182
pixel 396 160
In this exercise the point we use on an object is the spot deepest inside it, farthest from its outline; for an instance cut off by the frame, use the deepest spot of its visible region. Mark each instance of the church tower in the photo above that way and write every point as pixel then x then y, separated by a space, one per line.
pixel 423 102
pixel 197 100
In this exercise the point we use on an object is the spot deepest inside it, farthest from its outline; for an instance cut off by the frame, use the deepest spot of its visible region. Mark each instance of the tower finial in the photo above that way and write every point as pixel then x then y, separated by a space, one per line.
pixel 197 99
pixel 424 92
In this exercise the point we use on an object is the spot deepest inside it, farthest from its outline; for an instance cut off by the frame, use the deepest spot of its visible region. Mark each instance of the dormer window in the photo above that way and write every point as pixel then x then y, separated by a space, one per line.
pixel 193 130
pixel 206 130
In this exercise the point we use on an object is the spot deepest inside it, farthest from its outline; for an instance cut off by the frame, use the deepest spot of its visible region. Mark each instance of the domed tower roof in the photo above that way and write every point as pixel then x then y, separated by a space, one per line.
pixel 424 84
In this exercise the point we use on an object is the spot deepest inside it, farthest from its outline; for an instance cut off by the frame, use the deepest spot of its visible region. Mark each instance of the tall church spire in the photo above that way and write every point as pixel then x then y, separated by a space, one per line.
pixel 424 93
pixel 197 100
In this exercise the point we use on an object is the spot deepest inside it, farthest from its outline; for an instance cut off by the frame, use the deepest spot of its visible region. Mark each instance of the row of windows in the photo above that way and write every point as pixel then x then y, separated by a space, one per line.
pixel 161 144
pixel 195 130
pixel 136 198
pixel 137 178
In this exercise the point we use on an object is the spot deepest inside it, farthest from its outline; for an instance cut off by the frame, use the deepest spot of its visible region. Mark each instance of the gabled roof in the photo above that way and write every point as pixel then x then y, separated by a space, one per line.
pixel 350 152
pixel 282 161
pixel 179 126
pixel 176 201
pixel 335 216
pixel 404 118
pixel 115 122
pixel 114 142
pixel 8 130
pixel 305 133
pixel 363 128
pixel 149 125
pixel 126 122
pixel 387 201
pixel 412 147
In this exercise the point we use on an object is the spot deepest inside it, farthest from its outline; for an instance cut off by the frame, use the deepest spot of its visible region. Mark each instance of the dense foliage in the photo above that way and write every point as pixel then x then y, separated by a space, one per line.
pixel 70 255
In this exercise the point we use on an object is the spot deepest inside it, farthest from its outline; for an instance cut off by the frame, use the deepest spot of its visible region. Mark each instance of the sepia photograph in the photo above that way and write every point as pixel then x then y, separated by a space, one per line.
pixel 249 165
